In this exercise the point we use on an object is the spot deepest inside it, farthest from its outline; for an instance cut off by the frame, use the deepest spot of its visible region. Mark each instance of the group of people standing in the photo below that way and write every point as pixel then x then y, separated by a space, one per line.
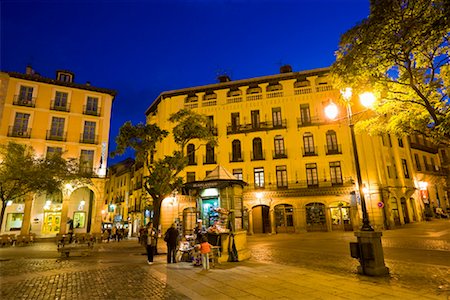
pixel 149 238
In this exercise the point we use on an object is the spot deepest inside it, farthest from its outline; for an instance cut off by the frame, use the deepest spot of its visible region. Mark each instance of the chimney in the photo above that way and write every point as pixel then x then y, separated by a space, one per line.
pixel 88 83
pixel 223 78
pixel 29 70
pixel 286 69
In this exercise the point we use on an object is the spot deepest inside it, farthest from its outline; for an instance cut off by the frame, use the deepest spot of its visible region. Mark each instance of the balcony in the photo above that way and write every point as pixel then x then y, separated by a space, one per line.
pixel 236 157
pixel 88 139
pixel 313 187
pixel 311 121
pixel 254 97
pixel 53 135
pixel 303 91
pixel 91 111
pixel 324 88
pixel 274 94
pixel 210 159
pixel 254 156
pixel 333 149
pixel 261 126
pixel 59 107
pixel 192 160
pixel 423 147
pixel 279 154
pixel 234 99
pixel 19 132
pixel 206 103
pixel 310 151
pixel 22 101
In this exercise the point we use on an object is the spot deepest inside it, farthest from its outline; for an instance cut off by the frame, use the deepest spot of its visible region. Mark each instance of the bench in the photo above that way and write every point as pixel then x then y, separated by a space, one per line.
pixel 77 245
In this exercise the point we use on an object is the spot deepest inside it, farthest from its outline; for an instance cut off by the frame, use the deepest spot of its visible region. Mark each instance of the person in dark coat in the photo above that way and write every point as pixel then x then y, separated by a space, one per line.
pixel 171 238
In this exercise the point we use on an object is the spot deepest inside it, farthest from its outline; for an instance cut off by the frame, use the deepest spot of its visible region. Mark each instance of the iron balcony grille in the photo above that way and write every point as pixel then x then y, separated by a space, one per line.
pixel 333 149
pixel 309 151
pixel 24 101
pixel 59 107
pixel 91 111
pixel 279 154
pixel 311 121
pixel 88 139
pixel 316 184
pixel 209 159
pixel 260 126
pixel 56 136
pixel 258 155
pixel 236 157
pixel 19 132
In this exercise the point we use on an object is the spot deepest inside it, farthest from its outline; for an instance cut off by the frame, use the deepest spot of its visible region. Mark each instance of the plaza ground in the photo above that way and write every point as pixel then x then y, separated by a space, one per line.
pixel 283 266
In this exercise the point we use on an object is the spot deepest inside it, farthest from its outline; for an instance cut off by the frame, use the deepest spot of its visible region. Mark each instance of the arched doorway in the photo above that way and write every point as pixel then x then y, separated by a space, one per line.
pixel 405 210
pixel 340 216
pixel 394 211
pixel 261 219
pixel 315 217
pixel 189 220
pixel 284 218
pixel 80 209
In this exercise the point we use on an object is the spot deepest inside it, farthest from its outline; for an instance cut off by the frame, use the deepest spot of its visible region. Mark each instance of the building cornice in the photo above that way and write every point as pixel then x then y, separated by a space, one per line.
pixel 235 84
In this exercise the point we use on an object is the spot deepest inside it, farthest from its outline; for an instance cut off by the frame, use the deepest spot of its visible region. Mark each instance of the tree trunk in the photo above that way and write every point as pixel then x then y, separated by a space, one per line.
pixel 157 217
pixel 2 214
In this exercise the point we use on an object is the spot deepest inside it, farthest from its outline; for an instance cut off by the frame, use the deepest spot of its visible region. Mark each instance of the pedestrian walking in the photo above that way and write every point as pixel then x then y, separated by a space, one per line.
pixel 151 243
pixel 171 238
pixel 205 249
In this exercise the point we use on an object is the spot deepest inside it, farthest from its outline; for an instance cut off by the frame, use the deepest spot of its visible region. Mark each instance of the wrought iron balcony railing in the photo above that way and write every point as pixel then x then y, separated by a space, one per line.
pixel 24 101
pixel 19 132
pixel 54 135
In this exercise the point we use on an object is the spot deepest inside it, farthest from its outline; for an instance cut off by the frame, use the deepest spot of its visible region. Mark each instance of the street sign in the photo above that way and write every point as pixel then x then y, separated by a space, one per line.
pixel 380 204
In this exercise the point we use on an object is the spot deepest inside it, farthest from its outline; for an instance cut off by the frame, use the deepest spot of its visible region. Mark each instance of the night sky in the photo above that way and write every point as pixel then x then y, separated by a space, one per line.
pixel 142 48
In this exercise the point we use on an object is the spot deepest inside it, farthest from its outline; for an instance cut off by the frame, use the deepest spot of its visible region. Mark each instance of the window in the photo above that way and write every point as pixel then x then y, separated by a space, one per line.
pixel 53 150
pixel 86 161
pixel 79 219
pixel 60 102
pixel 255 119
pixel 190 149
pixel 281 177
pixel 66 77
pixel 400 142
pixel 418 166
pixel 91 106
pixel 433 165
pixel 276 117
pixel 236 154
pixel 190 176
pixel 234 121
pixel 425 163
pixel 311 175
pixel 308 144
pixel 332 145
pixel 238 173
pixel 259 177
pixel 89 132
pixel 57 129
pixel 280 152
pixel 25 94
pixel 257 149
pixel 210 123
pixel 405 168
pixel 20 127
pixel 14 221
pixel 335 172
pixel 305 116
pixel 209 159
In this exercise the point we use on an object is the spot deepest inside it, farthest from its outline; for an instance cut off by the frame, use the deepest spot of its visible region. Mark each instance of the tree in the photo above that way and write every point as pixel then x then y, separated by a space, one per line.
pixel 22 173
pixel 163 174
pixel 401 51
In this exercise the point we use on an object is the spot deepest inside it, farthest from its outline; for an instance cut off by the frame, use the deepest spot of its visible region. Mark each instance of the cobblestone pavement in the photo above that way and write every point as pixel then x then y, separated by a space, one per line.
pixel 418 255
pixel 294 266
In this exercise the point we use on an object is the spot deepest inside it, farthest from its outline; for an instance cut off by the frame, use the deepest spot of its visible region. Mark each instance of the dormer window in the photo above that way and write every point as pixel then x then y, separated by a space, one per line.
pixel 253 90
pixel 275 86
pixel 191 98
pixel 209 96
pixel 64 76
pixel 234 92
pixel 301 83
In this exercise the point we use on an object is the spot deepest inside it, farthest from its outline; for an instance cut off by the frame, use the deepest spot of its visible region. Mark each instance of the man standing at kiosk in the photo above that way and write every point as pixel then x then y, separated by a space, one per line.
pixel 171 238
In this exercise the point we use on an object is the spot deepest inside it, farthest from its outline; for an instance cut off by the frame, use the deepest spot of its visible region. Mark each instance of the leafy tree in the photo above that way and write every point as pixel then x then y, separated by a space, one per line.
pixel 401 51
pixel 163 174
pixel 22 173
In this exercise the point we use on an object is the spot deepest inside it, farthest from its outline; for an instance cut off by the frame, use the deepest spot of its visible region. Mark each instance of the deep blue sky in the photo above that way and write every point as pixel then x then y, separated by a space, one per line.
pixel 142 48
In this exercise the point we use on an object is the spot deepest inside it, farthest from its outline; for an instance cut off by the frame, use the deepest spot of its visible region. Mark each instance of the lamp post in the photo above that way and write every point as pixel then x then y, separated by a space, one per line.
pixel 368 249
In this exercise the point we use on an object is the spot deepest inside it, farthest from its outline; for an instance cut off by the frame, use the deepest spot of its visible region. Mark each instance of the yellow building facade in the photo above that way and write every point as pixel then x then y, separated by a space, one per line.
pixel 57 115
pixel 273 134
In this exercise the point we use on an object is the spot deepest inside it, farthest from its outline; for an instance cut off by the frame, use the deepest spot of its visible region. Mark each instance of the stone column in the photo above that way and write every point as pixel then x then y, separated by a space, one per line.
pixel 250 222
pixel 27 214
pixel 64 211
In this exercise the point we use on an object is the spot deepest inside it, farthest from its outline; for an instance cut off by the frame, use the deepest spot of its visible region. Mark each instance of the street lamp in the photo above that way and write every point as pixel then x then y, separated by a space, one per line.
pixel 368 249
pixel 331 111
